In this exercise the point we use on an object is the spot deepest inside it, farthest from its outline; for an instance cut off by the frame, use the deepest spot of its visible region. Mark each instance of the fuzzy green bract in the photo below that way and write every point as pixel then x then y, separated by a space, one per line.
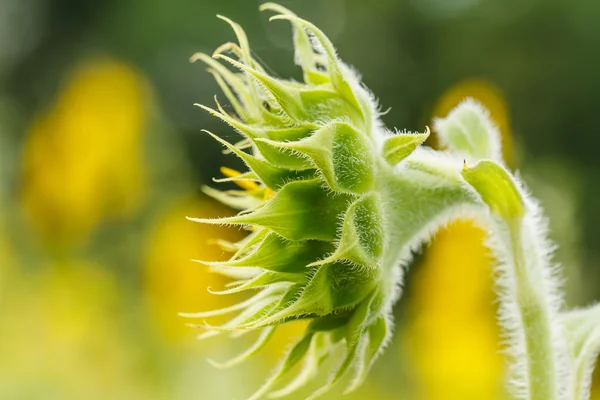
pixel 328 205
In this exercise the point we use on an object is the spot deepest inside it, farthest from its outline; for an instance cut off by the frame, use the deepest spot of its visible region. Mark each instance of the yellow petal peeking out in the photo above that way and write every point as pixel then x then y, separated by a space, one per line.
pixel 451 338
pixel 83 159
pixel 171 278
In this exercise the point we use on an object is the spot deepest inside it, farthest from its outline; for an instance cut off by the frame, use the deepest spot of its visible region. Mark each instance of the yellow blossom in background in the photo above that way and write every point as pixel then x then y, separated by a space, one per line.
pixel 59 336
pixel 83 159
pixel 451 337
pixel 173 282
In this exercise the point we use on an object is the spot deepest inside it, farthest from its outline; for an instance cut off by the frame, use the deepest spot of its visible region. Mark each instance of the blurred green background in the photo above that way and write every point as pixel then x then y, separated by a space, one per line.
pixel 101 158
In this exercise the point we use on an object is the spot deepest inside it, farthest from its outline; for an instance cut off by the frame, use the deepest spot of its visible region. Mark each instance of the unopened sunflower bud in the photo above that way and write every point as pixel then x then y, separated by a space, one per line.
pixel 334 204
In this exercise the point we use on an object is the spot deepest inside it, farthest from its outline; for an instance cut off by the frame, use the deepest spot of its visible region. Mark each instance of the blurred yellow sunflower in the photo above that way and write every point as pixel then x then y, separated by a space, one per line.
pixel 83 159
pixel 59 336
pixel 173 282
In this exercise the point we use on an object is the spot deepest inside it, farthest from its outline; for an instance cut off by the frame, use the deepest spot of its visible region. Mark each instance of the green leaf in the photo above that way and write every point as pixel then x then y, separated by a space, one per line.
pixel 469 131
pixel 396 148
pixel 248 109
pixel 496 188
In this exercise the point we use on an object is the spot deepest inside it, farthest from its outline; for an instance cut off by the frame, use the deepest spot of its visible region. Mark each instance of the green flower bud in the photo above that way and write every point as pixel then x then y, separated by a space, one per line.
pixel 316 202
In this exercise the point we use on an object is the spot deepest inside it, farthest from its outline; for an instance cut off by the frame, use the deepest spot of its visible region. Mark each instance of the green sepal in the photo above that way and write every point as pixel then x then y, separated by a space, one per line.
pixel 377 333
pixel 399 146
pixel 236 83
pixel 272 176
pixel 285 94
pixel 301 210
pixel 246 176
pixel 243 201
pixel 342 154
pixel 225 88
pixel 249 242
pixel 304 55
pixel 277 254
pixel 354 330
pixel 245 129
pixel 283 157
pixel 260 296
pixel 296 354
pixel 246 58
pixel 264 279
pixel 469 131
pixel 497 189
pixel 271 132
pixel 320 350
pixel 332 288
pixel 263 339
pixel 361 240
pixel 338 80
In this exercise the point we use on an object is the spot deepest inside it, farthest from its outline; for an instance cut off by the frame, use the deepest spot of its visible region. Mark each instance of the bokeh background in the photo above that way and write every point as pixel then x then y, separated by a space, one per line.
pixel 101 158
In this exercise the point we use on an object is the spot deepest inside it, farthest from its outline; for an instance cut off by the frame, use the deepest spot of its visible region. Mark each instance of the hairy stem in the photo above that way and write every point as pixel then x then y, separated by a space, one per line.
pixel 528 287
pixel 534 311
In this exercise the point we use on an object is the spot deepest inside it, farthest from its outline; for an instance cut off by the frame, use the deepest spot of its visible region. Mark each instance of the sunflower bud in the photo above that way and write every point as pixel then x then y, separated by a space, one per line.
pixel 315 200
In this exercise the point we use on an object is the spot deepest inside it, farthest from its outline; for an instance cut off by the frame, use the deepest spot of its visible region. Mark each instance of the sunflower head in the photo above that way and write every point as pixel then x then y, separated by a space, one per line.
pixel 312 200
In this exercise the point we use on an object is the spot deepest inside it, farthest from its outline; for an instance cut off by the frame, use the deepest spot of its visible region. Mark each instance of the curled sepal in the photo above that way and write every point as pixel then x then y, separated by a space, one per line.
pixel 338 74
pixel 272 176
pixel 333 287
pixel 276 253
pixel 286 94
pixel 320 349
pixel 355 338
pixel 496 188
pixel 377 334
pixel 304 55
pixel 263 280
pixel 469 131
pixel 342 154
pixel 583 330
pixel 262 340
pixel 296 354
pixel 301 210
pixel 239 201
pixel 361 240
pixel 246 108
pixel 281 157
pixel 399 146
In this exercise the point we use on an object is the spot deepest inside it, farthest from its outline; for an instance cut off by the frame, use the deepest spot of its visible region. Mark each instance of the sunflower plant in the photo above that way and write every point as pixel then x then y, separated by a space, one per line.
pixel 335 204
